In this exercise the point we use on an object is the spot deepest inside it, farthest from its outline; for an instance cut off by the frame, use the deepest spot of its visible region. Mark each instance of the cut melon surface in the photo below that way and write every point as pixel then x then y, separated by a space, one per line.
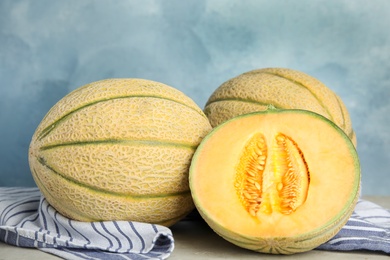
pixel 279 181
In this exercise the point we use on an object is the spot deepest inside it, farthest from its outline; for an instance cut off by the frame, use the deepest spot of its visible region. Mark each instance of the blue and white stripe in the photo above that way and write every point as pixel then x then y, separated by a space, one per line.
pixel 27 220
pixel 367 229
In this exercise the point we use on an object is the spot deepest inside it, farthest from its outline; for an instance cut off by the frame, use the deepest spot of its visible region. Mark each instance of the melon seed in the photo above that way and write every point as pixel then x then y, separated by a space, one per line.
pixel 287 168
pixel 247 195
pixel 295 179
pixel 251 173
pixel 252 211
pixel 251 180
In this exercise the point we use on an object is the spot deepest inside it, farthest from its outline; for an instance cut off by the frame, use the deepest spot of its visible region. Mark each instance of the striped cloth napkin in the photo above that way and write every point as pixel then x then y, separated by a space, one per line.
pixel 27 220
pixel 367 229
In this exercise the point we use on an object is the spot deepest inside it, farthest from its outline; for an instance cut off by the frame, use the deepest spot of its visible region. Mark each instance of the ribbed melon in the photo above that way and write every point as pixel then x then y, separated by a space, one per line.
pixel 281 87
pixel 119 149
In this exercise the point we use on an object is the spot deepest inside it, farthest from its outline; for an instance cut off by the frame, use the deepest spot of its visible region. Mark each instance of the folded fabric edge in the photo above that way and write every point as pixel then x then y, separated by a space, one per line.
pixel 21 237
pixel 163 246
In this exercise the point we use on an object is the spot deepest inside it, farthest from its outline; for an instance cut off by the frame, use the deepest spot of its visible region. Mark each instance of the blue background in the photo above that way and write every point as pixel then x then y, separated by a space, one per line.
pixel 48 48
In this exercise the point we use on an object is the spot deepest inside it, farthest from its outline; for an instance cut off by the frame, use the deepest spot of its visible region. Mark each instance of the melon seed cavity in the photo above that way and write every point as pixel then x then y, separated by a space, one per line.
pixel 272 180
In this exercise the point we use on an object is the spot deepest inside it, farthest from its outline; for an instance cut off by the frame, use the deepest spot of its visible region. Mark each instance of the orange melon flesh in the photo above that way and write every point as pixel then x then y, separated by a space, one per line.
pixel 333 187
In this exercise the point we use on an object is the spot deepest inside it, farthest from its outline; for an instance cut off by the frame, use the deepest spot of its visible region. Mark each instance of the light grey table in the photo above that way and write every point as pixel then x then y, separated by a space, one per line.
pixel 195 240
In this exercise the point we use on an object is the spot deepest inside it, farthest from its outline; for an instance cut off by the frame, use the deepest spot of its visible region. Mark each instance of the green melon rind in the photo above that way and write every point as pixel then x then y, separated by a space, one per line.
pixel 181 98
pixel 208 108
pixel 243 100
pixel 74 213
pixel 300 84
pixel 121 141
pixel 46 131
pixel 303 242
pixel 212 100
pixel 102 191
pixel 280 75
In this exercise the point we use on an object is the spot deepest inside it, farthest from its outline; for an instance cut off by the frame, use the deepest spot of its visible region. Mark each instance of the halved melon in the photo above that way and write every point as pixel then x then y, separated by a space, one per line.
pixel 278 181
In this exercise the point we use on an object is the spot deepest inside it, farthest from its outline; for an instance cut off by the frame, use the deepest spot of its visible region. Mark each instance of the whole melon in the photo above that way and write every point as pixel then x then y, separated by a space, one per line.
pixel 119 149
pixel 280 87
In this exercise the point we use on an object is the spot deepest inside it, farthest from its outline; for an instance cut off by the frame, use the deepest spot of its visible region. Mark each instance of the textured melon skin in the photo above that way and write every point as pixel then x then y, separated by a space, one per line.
pixel 119 149
pixel 284 89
